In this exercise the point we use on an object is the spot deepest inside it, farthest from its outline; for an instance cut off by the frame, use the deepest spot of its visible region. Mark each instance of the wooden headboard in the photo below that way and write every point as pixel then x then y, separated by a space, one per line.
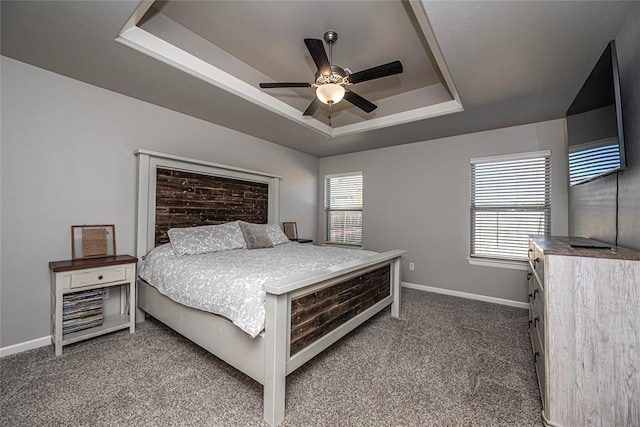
pixel 187 199
pixel 180 192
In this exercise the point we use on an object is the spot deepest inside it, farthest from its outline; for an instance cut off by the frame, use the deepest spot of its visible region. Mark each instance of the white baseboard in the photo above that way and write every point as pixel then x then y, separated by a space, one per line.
pixel 467 295
pixel 45 341
pixel 24 346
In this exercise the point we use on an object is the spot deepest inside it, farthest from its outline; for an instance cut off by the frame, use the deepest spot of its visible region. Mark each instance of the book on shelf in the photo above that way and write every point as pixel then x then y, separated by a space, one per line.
pixel 85 319
pixel 76 328
pixel 82 323
pixel 90 295
pixel 81 314
pixel 85 307
pixel 82 310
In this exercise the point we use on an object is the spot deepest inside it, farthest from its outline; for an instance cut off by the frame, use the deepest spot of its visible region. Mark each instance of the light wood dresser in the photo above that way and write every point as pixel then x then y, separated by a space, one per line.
pixel 584 323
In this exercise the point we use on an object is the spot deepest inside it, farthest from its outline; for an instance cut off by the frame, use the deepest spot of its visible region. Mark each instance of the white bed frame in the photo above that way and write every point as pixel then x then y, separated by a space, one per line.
pixel 266 358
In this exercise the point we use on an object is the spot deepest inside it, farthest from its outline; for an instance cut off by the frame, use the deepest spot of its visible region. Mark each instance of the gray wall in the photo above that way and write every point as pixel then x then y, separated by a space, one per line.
pixel 67 158
pixel 416 197
pixel 592 206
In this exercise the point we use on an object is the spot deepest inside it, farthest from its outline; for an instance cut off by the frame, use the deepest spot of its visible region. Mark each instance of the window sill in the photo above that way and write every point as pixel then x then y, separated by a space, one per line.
pixel 499 263
pixel 344 245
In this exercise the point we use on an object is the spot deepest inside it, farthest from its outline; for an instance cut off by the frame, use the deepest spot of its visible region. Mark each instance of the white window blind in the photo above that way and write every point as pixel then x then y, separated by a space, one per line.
pixel 343 208
pixel 510 200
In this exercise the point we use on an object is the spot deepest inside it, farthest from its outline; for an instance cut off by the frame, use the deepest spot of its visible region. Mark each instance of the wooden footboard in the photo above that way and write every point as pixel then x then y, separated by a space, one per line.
pixel 308 313
pixel 321 311
pixel 304 316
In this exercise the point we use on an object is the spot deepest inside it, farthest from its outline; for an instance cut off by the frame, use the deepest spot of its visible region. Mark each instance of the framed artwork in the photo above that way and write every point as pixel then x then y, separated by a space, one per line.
pixel 291 230
pixel 93 241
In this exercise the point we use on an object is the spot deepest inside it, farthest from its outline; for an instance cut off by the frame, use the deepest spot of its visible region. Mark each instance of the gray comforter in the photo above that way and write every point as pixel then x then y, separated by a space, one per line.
pixel 229 283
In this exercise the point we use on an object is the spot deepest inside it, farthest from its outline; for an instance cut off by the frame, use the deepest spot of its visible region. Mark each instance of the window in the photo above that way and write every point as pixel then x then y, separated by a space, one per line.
pixel 510 199
pixel 343 208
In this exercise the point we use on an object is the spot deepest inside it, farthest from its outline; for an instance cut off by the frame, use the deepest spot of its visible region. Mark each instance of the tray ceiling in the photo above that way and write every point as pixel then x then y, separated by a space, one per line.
pixel 236 45
pixel 512 62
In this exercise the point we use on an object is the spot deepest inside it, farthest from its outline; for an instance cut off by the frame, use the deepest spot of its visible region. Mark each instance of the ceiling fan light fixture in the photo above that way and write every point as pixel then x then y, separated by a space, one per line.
pixel 330 93
pixel 331 79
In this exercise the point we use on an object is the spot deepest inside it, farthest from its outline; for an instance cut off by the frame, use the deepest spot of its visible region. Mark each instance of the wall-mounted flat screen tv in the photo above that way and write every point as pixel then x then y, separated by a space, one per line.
pixel 594 123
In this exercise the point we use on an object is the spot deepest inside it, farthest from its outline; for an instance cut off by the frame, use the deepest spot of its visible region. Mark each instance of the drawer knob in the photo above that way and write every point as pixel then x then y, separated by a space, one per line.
pixel 535 291
pixel 535 321
pixel 528 275
pixel 530 322
pixel 537 260
pixel 100 277
pixel 530 296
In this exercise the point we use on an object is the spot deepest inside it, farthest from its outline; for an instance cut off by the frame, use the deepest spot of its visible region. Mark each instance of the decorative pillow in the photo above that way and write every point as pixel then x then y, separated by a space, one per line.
pixel 276 235
pixel 256 235
pixel 208 238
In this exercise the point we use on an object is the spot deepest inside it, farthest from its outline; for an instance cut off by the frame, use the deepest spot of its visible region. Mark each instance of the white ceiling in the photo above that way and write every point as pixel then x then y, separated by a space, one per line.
pixel 511 62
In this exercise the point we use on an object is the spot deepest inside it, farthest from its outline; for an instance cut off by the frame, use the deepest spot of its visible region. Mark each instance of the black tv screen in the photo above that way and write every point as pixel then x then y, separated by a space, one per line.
pixel 594 123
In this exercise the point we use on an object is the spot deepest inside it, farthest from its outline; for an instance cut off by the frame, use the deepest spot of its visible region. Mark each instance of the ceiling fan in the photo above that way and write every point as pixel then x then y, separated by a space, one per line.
pixel 331 81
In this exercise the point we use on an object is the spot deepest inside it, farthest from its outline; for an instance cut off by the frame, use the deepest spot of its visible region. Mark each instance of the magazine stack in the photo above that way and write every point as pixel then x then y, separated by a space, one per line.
pixel 82 310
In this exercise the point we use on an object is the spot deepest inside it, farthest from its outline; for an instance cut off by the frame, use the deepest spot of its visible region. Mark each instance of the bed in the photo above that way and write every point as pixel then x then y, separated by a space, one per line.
pixel 304 313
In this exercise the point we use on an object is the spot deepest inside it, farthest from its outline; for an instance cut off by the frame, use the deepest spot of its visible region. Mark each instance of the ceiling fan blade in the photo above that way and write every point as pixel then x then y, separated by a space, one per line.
pixel 359 101
pixel 319 55
pixel 385 70
pixel 312 108
pixel 279 85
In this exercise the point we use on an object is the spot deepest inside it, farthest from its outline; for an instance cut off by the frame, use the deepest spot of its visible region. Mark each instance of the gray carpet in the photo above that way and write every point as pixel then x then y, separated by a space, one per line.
pixel 448 361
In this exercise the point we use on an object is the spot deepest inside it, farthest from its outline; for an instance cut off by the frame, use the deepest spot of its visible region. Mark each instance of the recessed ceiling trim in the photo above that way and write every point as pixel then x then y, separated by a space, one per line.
pixel 147 43
pixel 423 21
pixel 399 118
pixel 138 14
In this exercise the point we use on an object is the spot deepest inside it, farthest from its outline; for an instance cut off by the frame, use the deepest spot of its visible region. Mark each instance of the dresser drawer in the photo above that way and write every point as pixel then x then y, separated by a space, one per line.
pixel 538 264
pixel 538 319
pixel 94 277
pixel 536 260
pixel 536 305
pixel 532 251
pixel 539 359
pixel 535 288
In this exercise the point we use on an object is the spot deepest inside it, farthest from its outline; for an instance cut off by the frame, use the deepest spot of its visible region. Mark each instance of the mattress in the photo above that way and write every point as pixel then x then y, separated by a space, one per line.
pixel 229 283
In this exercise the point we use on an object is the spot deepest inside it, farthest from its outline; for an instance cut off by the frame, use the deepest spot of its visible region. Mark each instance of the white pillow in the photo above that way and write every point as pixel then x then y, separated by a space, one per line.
pixel 208 238
pixel 276 235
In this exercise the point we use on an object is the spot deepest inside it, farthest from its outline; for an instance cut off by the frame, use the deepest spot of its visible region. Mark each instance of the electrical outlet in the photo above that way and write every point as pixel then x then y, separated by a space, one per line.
pixel 412 266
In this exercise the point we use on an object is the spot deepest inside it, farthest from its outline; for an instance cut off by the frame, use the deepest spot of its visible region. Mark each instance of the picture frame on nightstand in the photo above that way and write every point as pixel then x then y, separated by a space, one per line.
pixel 291 230
pixel 93 241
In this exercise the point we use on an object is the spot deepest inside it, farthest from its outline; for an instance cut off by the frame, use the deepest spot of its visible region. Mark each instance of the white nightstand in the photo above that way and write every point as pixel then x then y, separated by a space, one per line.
pixel 86 274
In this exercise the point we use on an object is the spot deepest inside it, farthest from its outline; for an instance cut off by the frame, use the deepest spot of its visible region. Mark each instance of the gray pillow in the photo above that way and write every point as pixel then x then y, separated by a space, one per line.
pixel 276 235
pixel 256 235
pixel 208 238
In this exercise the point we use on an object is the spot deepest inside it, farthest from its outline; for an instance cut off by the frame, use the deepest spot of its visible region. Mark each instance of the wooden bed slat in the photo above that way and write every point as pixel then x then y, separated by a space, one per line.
pixel 316 314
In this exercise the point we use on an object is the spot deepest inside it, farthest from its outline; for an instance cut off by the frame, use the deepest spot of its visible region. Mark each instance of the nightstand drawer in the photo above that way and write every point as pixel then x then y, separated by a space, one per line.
pixel 98 276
